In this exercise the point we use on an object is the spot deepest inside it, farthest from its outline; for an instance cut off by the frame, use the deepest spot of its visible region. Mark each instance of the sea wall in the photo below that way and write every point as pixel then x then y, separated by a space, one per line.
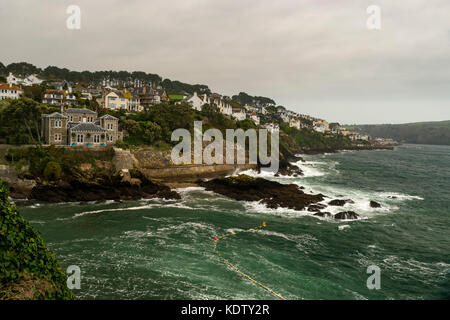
pixel 157 165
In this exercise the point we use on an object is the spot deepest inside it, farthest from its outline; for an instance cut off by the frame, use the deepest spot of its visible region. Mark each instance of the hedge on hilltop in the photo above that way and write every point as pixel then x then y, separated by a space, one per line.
pixel 28 270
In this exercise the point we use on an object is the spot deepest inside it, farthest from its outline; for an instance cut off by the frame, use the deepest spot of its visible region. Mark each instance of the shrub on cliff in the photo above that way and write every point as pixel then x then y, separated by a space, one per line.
pixel 28 270
pixel 51 163
pixel 52 171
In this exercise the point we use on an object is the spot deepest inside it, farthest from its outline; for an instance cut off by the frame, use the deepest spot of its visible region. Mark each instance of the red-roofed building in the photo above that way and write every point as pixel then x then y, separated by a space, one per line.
pixel 9 91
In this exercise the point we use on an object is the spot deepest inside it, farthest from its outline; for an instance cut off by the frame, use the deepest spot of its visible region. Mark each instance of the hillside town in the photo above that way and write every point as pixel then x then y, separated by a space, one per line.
pixel 77 125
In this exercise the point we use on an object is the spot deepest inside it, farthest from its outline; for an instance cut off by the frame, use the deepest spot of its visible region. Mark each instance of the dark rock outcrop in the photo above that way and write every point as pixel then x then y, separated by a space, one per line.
pixel 102 187
pixel 316 207
pixel 346 215
pixel 289 170
pixel 339 202
pixel 374 204
pixel 271 193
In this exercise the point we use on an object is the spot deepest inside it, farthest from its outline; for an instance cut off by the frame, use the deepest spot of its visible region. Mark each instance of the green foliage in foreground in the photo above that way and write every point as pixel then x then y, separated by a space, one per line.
pixel 28 270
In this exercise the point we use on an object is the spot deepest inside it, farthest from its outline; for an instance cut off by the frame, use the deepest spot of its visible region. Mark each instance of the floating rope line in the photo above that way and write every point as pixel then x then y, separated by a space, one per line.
pixel 216 239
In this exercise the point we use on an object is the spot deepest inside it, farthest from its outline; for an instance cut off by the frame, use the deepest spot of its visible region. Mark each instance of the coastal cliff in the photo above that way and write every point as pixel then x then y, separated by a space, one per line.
pixel 63 175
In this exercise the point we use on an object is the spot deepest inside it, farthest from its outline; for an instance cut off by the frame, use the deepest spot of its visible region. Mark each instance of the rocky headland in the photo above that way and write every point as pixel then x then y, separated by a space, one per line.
pixel 147 173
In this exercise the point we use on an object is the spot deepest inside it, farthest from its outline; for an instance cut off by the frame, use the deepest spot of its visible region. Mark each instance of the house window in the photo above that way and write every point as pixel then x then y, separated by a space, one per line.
pixel 58 123
pixel 80 138
pixel 71 118
pixel 58 137
pixel 97 138
pixel 110 138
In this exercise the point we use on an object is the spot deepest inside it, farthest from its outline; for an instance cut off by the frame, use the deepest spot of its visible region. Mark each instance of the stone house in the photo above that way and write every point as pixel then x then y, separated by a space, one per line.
pixel 80 127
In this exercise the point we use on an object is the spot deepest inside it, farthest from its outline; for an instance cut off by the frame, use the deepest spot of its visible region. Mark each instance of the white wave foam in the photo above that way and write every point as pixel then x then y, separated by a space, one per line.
pixel 257 207
pixel 399 196
pixel 190 189
pixel 310 168
pixel 112 210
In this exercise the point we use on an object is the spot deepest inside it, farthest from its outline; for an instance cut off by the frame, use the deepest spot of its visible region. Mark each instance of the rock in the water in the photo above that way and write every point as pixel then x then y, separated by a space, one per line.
pixel 346 215
pixel 270 193
pixel 374 204
pixel 316 207
pixel 339 202
pixel 289 170
pixel 168 194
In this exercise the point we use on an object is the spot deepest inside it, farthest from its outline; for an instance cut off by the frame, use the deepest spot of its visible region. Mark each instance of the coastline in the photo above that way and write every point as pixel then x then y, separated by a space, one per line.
pixel 141 173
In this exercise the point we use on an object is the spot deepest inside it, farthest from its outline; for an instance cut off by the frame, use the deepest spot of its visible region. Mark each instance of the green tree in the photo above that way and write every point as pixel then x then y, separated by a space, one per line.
pixel 20 121
pixel 52 171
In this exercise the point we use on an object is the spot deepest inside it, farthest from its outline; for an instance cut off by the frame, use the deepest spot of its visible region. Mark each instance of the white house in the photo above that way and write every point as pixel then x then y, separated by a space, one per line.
pixel 86 95
pixel 319 128
pixel 9 91
pixel 116 100
pixel 284 116
pixel 28 81
pixel 255 118
pixel 225 108
pixel 271 127
pixel 295 123
pixel 321 125
pixel 238 114
pixel 195 101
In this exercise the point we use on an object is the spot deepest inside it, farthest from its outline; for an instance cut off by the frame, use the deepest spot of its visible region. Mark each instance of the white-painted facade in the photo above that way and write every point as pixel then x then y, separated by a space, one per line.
pixel 9 91
pixel 28 81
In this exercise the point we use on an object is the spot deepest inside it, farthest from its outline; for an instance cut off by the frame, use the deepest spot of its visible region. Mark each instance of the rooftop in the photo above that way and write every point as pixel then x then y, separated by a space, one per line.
pixel 56 115
pixel 108 117
pixel 4 86
pixel 86 126
pixel 80 111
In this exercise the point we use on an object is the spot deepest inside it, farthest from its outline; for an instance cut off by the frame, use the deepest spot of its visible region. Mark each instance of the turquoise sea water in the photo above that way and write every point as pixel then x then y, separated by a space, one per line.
pixel 157 249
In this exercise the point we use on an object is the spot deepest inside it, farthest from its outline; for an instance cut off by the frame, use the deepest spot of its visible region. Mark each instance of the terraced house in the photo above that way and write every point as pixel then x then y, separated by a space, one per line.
pixel 80 127
pixel 59 97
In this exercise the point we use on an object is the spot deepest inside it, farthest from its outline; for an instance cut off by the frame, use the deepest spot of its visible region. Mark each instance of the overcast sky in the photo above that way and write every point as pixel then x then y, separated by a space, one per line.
pixel 312 56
